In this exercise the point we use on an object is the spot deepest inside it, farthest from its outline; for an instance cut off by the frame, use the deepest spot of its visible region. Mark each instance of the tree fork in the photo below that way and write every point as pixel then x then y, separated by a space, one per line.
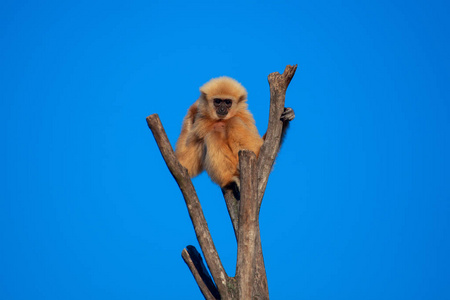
pixel 250 281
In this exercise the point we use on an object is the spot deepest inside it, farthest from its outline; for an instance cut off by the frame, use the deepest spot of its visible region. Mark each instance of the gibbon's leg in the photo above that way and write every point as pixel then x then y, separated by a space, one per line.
pixel 189 149
pixel 241 136
pixel 220 163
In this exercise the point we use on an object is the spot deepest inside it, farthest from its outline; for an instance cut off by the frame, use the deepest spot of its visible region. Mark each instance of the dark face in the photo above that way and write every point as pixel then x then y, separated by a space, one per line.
pixel 222 106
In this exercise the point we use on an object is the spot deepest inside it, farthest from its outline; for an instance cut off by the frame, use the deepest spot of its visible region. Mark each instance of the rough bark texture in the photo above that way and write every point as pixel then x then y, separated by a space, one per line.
pixel 248 225
pixel 250 281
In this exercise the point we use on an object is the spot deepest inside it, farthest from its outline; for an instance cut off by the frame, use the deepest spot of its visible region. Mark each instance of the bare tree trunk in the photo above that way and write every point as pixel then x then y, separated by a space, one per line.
pixel 250 281
pixel 248 225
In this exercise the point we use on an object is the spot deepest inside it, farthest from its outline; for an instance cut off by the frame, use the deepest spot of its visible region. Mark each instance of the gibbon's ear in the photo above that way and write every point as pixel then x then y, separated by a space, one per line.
pixel 242 98
pixel 202 98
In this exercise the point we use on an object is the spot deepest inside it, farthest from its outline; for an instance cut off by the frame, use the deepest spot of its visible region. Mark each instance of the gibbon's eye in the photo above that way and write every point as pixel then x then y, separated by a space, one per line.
pixel 228 102
pixel 217 101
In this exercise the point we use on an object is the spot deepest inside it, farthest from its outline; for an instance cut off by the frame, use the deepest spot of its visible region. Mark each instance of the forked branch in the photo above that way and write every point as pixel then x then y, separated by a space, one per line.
pixel 278 84
pixel 250 281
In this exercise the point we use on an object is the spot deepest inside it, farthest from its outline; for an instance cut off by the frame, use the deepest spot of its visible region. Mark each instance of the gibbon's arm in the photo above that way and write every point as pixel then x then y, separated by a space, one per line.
pixel 243 134
pixel 189 147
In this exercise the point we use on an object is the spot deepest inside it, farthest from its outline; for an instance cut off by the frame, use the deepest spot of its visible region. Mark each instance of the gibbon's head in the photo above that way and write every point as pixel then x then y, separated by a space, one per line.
pixel 222 97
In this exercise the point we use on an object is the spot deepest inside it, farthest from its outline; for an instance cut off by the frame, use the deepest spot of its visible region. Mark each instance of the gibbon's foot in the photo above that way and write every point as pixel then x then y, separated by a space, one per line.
pixel 236 180
pixel 234 188
pixel 287 115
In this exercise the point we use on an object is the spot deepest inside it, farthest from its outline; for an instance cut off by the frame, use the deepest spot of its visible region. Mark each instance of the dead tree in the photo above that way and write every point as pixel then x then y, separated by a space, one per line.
pixel 250 281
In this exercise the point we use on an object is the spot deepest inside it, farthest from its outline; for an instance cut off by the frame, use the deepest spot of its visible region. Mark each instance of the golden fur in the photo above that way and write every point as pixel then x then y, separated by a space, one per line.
pixel 211 142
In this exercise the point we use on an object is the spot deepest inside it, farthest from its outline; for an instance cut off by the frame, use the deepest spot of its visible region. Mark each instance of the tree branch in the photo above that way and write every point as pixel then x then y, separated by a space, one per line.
pixel 195 263
pixel 278 84
pixel 193 204
pixel 232 203
pixel 248 220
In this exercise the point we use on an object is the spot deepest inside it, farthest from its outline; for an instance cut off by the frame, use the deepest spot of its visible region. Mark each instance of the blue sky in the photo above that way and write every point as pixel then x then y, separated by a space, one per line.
pixel 357 206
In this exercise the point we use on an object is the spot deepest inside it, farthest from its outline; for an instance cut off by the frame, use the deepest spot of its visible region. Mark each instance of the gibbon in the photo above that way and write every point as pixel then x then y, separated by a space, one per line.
pixel 215 128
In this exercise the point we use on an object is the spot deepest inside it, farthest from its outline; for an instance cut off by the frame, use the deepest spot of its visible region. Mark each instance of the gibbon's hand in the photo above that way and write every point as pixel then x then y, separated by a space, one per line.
pixel 287 115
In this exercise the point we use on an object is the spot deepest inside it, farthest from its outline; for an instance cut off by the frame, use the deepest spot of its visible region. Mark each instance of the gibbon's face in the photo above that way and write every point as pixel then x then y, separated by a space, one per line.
pixel 222 106
pixel 218 107
pixel 221 98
